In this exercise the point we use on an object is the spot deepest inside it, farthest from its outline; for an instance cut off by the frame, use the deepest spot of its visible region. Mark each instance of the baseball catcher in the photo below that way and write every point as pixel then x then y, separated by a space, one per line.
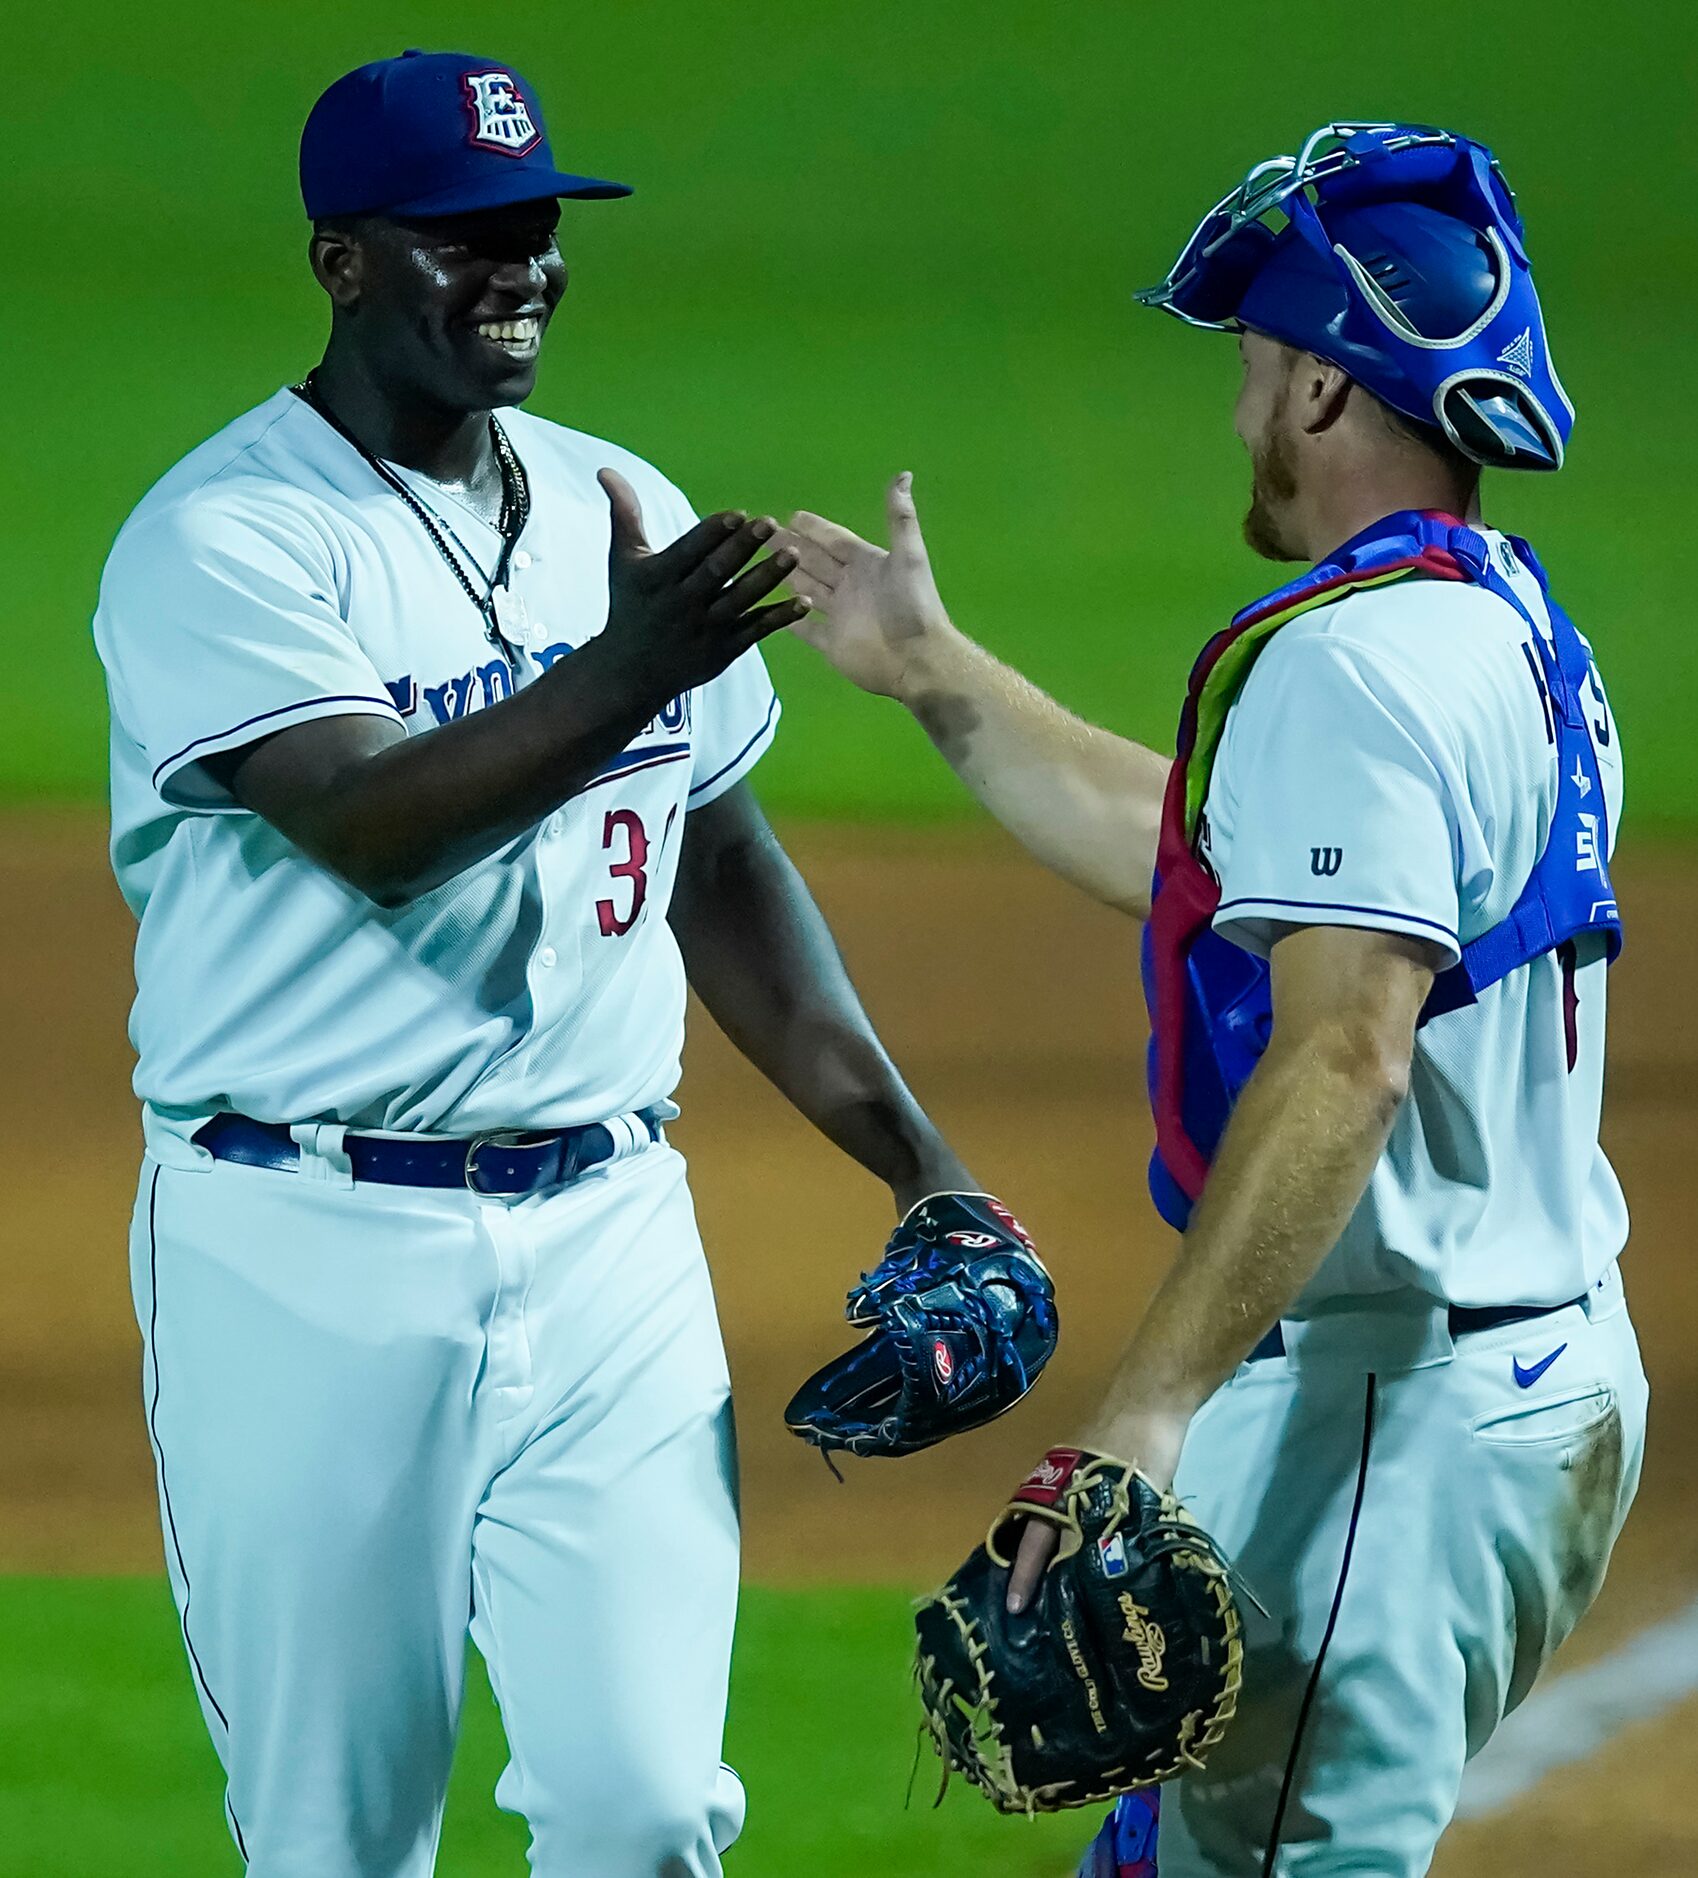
pixel 1121 1672
pixel 1391 1365
pixel 961 1320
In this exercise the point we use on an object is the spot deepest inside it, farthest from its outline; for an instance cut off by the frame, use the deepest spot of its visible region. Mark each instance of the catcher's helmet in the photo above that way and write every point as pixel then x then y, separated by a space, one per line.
pixel 1395 251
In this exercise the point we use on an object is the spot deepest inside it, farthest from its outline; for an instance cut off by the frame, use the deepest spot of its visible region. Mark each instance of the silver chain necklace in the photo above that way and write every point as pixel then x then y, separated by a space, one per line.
pixel 510 524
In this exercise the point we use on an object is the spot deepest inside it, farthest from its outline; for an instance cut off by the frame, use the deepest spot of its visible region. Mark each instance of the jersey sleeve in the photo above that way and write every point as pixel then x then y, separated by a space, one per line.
pixel 734 716
pixel 218 626
pixel 1346 797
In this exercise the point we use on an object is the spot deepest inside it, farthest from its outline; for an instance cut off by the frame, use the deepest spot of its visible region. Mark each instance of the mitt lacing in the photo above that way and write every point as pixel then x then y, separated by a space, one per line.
pixel 1171 1534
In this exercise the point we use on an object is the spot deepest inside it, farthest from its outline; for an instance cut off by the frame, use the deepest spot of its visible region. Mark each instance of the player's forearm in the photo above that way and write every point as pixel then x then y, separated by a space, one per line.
pixel 398 816
pixel 1294 1162
pixel 1084 802
pixel 762 959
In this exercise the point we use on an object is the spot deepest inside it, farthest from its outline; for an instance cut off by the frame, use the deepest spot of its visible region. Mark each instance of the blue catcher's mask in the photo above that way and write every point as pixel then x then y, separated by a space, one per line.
pixel 1394 251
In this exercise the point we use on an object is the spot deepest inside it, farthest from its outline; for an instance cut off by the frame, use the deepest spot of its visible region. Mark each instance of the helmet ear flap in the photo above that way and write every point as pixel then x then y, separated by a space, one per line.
pixel 1498 423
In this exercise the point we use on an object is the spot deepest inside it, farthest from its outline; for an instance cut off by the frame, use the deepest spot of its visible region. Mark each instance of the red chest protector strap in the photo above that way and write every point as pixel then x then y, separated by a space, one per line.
pixel 1186 894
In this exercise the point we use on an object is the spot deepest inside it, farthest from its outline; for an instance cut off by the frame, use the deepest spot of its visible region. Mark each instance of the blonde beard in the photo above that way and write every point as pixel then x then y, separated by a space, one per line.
pixel 1273 488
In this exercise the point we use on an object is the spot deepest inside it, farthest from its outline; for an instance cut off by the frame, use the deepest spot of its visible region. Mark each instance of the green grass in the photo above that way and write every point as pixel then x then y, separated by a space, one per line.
pixel 869 235
pixel 104 1765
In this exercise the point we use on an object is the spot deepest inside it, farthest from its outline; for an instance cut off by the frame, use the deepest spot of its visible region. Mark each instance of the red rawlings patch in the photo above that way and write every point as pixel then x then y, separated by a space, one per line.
pixel 1045 1484
pixel 1011 1223
pixel 942 1361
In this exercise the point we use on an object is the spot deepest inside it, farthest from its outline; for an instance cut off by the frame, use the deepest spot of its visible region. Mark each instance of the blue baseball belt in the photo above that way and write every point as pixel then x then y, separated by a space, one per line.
pixel 508 1164
pixel 1463 1319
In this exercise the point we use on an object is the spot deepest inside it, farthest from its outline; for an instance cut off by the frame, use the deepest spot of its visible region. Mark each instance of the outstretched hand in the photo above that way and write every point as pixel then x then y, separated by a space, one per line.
pixel 875 608
pixel 681 614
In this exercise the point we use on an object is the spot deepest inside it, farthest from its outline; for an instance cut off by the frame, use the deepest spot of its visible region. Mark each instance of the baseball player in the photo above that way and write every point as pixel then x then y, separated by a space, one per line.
pixel 432 726
pixel 1390 1366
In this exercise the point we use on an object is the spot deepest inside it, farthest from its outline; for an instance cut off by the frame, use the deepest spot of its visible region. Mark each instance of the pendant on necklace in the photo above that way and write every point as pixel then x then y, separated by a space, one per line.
pixel 512 616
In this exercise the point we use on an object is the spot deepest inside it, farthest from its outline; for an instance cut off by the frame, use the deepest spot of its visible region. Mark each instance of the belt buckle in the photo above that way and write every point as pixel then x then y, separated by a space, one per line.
pixel 496 1138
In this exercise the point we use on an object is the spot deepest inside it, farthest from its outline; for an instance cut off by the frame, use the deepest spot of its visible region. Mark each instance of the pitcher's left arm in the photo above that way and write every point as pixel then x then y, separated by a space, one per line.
pixel 761 958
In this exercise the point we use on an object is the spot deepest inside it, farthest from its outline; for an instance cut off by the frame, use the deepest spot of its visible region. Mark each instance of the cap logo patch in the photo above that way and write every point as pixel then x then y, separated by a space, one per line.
pixel 501 120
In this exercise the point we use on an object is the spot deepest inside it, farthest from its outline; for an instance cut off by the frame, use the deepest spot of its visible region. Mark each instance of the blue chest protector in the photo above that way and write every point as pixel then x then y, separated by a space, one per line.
pixel 1210 1001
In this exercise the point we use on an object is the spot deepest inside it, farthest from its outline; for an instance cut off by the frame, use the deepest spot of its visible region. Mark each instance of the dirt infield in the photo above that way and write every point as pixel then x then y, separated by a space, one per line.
pixel 1012 1004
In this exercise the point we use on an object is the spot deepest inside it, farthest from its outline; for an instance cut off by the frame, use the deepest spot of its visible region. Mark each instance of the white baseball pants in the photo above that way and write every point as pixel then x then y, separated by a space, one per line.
pixel 384 1415
pixel 1425 1526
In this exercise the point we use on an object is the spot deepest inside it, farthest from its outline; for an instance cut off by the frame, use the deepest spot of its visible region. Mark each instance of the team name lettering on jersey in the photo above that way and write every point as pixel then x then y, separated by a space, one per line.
pixel 487 684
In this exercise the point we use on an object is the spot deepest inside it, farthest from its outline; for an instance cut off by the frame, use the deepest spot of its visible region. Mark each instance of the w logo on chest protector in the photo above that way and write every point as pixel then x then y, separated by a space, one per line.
pixel 1325 862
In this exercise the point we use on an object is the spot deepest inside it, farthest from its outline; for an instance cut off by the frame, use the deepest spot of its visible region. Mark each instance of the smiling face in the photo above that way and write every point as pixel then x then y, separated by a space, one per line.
pixel 449 311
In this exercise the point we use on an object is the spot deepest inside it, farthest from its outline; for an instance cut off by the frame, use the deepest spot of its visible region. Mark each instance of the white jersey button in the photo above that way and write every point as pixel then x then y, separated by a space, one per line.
pixel 522 559
pixel 548 958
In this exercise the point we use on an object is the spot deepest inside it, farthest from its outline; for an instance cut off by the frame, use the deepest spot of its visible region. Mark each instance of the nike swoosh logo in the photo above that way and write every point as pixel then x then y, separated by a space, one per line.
pixel 1527 1377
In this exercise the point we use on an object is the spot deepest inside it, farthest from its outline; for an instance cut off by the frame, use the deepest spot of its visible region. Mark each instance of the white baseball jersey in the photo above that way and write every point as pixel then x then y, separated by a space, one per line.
pixel 1389 765
pixel 272 578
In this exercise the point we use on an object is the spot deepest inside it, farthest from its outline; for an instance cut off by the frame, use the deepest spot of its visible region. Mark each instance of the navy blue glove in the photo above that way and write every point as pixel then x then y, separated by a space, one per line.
pixel 961 1320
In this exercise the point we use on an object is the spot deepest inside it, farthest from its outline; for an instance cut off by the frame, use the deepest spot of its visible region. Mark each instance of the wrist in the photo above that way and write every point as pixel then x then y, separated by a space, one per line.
pixel 931 659
pixel 1150 1438
pixel 938 1170
pixel 626 671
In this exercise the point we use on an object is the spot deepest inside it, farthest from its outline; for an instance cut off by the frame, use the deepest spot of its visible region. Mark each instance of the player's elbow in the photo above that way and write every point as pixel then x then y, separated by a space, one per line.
pixel 1373 1059
pixel 1346 1060
pixel 1126 891
pixel 1106 848
pixel 390 875
pixel 388 895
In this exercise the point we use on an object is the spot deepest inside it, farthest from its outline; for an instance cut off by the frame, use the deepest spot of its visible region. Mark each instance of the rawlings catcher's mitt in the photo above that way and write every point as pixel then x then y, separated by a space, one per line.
pixel 1122 1671
pixel 961 1316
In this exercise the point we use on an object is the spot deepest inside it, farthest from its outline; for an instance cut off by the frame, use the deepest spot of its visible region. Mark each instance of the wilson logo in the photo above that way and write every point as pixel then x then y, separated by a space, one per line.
pixel 1325 862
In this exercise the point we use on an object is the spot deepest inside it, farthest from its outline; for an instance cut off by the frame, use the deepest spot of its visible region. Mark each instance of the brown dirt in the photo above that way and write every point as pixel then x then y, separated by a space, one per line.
pixel 1012 1004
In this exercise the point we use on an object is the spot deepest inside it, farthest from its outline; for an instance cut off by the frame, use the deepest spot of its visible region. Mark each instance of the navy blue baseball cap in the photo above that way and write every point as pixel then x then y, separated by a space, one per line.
pixel 431 133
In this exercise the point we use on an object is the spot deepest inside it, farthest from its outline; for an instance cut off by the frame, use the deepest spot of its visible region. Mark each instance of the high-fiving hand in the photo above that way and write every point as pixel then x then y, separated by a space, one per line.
pixel 681 614
pixel 875 609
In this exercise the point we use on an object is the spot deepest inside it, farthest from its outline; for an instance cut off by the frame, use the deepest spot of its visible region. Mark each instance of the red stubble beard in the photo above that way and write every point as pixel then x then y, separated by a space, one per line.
pixel 1273 489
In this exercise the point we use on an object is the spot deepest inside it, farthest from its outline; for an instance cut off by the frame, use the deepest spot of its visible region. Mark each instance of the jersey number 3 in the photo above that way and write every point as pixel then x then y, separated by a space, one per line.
pixel 634 868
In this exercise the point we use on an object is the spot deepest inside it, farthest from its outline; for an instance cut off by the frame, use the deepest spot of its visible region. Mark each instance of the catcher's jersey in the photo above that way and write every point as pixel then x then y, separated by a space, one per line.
pixel 1389 764
pixel 272 578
